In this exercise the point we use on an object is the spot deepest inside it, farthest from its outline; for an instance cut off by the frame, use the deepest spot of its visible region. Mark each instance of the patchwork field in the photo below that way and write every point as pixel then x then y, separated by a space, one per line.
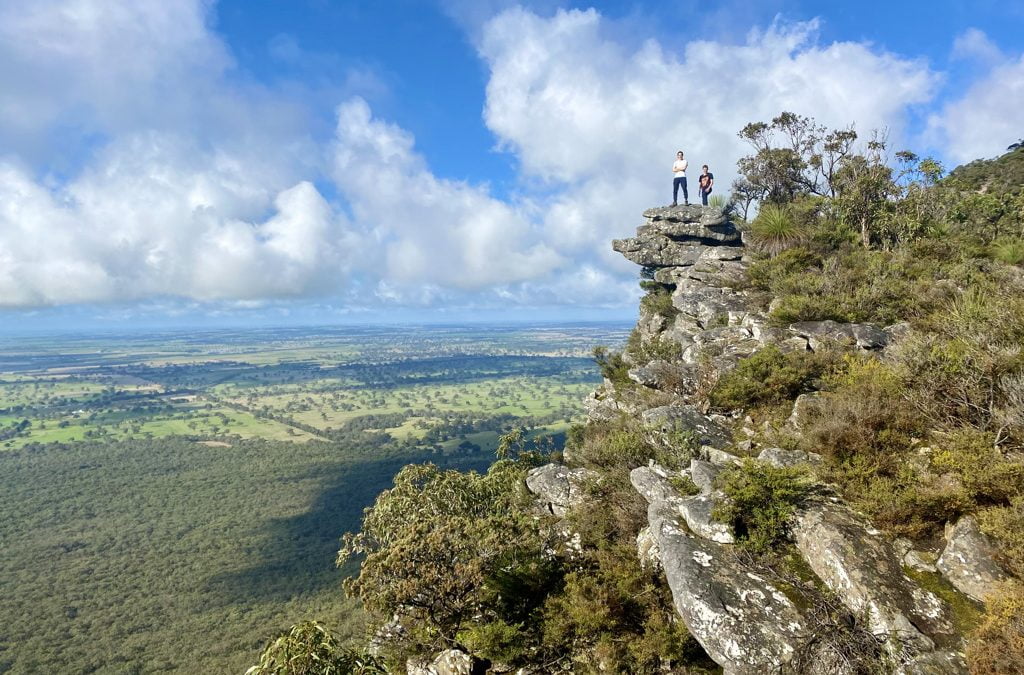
pixel 172 501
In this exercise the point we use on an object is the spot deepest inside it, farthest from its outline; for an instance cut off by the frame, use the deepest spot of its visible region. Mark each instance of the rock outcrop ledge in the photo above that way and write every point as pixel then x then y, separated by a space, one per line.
pixel 744 621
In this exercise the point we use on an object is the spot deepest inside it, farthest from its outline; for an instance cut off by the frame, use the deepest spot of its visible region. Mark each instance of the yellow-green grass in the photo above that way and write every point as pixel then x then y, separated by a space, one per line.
pixel 186 422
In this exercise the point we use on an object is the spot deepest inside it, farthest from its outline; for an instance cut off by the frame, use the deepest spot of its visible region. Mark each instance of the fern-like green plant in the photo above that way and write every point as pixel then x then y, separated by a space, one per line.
pixel 776 229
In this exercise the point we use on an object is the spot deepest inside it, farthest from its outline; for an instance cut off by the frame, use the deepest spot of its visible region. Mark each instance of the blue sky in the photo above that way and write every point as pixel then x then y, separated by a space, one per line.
pixel 306 161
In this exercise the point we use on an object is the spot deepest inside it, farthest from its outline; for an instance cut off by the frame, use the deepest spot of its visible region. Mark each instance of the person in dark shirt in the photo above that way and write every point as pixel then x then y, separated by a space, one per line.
pixel 706 182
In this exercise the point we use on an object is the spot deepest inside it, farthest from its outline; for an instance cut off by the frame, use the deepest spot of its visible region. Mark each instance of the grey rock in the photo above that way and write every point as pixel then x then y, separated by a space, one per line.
pixel 448 662
pixel 728 334
pixel 743 622
pixel 655 251
pixel 679 378
pixel 647 548
pixel 703 475
pixel 863 570
pixel 689 213
pixel 721 253
pixel 936 663
pixel 707 304
pixel 719 457
pixel 652 483
pixel 969 560
pixel 709 234
pixel 863 335
pixel 787 458
pixel 697 512
pixel 802 406
pixel 795 344
pixel 897 331
pixel 672 418
pixel 558 487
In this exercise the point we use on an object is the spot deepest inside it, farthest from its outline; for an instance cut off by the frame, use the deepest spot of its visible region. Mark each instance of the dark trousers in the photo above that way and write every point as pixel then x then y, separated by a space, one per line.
pixel 704 197
pixel 676 182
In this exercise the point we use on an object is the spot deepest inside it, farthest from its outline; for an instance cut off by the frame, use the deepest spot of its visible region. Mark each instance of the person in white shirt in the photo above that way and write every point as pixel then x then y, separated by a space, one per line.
pixel 679 179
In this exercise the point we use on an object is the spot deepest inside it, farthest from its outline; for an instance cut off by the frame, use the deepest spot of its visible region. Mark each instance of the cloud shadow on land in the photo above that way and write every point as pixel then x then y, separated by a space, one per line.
pixel 298 553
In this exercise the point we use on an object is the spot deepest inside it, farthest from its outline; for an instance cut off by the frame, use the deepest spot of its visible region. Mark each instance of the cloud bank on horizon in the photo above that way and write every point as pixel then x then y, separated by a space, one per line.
pixel 197 184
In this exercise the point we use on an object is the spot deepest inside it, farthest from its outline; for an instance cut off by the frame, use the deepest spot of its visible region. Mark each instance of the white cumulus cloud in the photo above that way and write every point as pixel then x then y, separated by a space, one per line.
pixel 582 111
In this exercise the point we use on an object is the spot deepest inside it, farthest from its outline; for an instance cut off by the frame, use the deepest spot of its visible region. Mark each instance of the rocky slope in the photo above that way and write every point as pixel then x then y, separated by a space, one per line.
pixel 746 621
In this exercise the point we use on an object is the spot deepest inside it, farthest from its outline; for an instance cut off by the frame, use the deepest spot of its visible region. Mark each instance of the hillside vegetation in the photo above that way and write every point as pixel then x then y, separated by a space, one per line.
pixel 915 437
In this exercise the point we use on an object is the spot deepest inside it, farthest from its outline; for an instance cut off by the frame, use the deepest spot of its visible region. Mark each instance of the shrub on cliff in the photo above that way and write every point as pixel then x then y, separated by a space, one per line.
pixel 450 552
pixel 760 502
pixel 776 229
pixel 310 648
pixel 769 377
pixel 997 646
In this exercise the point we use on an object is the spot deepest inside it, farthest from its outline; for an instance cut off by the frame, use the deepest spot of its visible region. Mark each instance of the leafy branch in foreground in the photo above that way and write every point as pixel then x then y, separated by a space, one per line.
pixel 310 648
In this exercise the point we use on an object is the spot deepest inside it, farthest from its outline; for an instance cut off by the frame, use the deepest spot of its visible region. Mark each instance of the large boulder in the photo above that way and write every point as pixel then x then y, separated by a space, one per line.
pixel 657 251
pixel 678 378
pixel 744 623
pixel 788 458
pixel 862 335
pixel 557 487
pixel 448 662
pixel 969 560
pixel 863 570
pixel 671 419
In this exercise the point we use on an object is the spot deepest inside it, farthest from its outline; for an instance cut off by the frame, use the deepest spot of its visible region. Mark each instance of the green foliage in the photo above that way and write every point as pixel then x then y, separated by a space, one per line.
pixel 769 377
pixel 1005 524
pixel 612 366
pixel 614 616
pixel 438 546
pixel 776 229
pixel 658 300
pixel 863 416
pixel 614 444
pixel 967 369
pixel 760 502
pixel 310 648
pixel 997 647
pixel 657 347
pixel 1009 250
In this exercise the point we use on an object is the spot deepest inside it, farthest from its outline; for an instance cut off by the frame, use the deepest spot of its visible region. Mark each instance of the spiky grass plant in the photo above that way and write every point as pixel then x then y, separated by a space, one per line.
pixel 1009 251
pixel 775 229
pixel 718 201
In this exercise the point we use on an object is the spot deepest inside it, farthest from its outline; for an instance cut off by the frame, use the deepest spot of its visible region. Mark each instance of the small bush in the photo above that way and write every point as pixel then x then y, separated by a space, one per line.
pixel 612 366
pixel 1005 524
pixel 760 502
pixel 1009 251
pixel 776 229
pixel 658 300
pixel 769 377
pixel 863 414
pixel 654 348
pixel 613 444
pixel 310 648
pixel 997 646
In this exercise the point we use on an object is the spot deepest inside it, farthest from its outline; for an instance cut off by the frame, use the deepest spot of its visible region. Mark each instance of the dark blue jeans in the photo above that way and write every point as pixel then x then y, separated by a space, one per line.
pixel 676 182
pixel 704 197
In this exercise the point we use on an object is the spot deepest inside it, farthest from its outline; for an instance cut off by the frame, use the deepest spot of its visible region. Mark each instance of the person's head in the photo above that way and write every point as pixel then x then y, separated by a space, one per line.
pixel 679 154
pixel 705 168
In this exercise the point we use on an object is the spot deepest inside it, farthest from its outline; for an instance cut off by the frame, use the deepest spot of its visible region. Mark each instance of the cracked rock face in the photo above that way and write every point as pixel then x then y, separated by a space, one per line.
pixel 557 486
pixel 862 568
pixel 682 236
pixel 863 335
pixel 747 625
pixel 969 560
pixel 686 418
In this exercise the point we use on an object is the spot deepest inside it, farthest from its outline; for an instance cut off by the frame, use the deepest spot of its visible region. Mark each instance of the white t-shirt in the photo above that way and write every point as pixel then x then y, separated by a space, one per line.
pixel 679 168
